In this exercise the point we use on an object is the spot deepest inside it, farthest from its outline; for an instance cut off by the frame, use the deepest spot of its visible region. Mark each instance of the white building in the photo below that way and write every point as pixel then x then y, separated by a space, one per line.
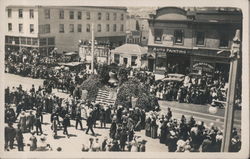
pixel 48 27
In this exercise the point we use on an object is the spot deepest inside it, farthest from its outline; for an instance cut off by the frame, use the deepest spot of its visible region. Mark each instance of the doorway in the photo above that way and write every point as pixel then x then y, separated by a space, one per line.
pixel 151 65
pixel 125 61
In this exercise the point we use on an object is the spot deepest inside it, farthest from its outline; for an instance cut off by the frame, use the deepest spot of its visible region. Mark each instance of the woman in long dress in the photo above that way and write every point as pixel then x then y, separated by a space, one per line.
pixel 22 121
pixel 148 127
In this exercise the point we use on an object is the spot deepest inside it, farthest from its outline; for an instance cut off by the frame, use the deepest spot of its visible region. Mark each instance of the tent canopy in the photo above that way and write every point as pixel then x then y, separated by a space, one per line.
pixel 130 49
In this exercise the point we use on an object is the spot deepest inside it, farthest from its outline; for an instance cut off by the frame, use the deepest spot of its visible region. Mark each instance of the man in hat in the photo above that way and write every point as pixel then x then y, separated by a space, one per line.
pixel 9 136
pixel 90 123
pixel 30 121
pixel 103 118
pixel 19 138
pixel 38 124
pixel 78 118
pixel 66 123
pixel 104 143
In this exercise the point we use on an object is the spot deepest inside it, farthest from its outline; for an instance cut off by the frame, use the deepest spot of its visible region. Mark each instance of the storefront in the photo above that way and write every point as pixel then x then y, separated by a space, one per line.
pixel 172 60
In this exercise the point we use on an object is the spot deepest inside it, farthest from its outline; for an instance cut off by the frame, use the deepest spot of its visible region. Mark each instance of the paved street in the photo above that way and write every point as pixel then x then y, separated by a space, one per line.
pixel 78 137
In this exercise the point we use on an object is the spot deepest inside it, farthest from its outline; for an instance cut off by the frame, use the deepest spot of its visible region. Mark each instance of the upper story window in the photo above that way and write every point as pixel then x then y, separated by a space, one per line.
pixel 107 16
pixel 71 28
pixel 79 27
pixel 107 28
pixel 178 36
pixel 158 34
pixel 122 27
pixel 99 16
pixel 47 13
pixel 71 14
pixel 88 15
pixel 79 15
pixel 114 16
pixel 61 28
pixel 224 40
pixel 47 28
pixel 99 28
pixel 9 13
pixel 20 28
pixel 20 13
pixel 31 13
pixel 114 28
pixel 122 16
pixel 9 26
pixel 61 14
pixel 200 38
pixel 88 28
pixel 31 28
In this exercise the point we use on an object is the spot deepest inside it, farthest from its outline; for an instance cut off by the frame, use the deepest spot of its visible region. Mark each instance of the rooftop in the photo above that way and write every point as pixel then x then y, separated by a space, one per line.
pixel 130 49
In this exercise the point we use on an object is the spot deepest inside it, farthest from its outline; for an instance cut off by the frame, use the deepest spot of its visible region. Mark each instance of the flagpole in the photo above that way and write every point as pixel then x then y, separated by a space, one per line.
pixel 92 48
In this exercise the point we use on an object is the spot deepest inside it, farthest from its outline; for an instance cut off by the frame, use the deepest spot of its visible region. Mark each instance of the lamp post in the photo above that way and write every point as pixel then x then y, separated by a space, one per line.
pixel 229 109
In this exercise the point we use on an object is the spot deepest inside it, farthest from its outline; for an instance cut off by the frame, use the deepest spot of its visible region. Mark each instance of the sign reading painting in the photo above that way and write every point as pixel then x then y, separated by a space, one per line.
pixel 170 50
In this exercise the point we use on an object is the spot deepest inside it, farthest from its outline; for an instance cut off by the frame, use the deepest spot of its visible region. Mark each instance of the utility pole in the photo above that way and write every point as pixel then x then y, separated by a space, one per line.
pixel 229 109
pixel 92 48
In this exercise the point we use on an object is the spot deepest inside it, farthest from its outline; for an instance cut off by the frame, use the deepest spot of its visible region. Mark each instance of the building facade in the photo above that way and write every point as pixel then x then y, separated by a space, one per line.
pixel 192 39
pixel 47 27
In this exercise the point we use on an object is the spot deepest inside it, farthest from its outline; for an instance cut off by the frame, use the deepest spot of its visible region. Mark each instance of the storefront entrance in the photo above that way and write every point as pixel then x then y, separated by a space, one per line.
pixel 178 64
pixel 151 63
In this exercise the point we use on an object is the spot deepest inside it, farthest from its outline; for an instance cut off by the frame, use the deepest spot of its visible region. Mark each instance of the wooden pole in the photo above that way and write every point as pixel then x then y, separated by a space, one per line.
pixel 229 109
pixel 92 48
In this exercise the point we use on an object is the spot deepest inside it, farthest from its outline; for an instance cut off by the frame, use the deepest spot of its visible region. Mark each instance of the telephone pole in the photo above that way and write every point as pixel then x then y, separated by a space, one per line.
pixel 229 109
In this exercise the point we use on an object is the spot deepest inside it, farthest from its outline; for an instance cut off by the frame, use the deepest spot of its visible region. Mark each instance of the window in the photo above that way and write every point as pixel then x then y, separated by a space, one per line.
pixel 158 35
pixel 61 14
pixel 224 40
pixel 31 28
pixel 71 28
pixel 200 38
pixel 34 41
pixel 99 16
pixel 47 28
pixel 31 13
pixel 99 28
pixel 51 41
pixel 178 36
pixel 107 28
pixel 114 28
pixel 23 40
pixel 71 14
pixel 20 13
pixel 9 13
pixel 28 41
pixel 20 28
pixel 122 27
pixel 9 26
pixel 79 27
pixel 114 16
pixel 133 60
pixel 88 15
pixel 107 16
pixel 88 28
pixel 117 58
pixel 47 14
pixel 122 17
pixel 79 15
pixel 42 41
pixel 61 28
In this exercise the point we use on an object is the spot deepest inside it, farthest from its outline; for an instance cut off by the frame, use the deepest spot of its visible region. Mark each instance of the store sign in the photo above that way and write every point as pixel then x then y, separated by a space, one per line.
pixel 170 50
pixel 203 66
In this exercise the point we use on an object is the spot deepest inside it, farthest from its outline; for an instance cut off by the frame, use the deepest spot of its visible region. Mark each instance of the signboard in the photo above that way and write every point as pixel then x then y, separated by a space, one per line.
pixel 170 50
pixel 207 67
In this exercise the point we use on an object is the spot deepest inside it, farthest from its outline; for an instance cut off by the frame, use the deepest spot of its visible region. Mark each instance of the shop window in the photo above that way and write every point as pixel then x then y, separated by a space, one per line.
pixel 34 41
pixel 200 38
pixel 88 15
pixel 51 41
pixel 71 28
pixel 117 58
pixel 224 40
pixel 31 13
pixel 71 14
pixel 99 16
pixel 20 28
pixel 178 36
pixel 47 13
pixel 28 41
pixel 61 14
pixel 88 28
pixel 61 28
pixel 107 16
pixel 23 40
pixel 79 28
pixel 31 28
pixel 9 26
pixel 9 13
pixel 20 13
pixel 42 41
pixel 158 35
pixel 107 28
pixel 99 28
pixel 133 61
pixel 79 15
